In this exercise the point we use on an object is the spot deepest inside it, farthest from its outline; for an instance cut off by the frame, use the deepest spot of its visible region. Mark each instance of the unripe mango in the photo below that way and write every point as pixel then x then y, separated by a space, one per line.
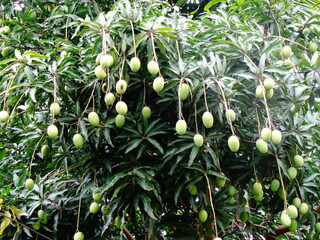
pixel 100 72
pixel 292 172
pixel 109 98
pixel 77 140
pixel 4 116
pixel 158 84
pixel 78 236
pixel 203 215
pixel 181 127
pixel 262 146
pixel 52 131
pixel 183 91
pixel 286 51
pixel 231 115
pixel 94 119
pixel 257 188
pixel 268 83
pixel 120 120
pixel 292 211
pixel 121 86
pixel 44 150
pixel 153 67
pixel 146 112
pixel 207 119
pixel 298 160
pixel 135 64
pixel 296 202
pixel 233 143
pixel 121 108
pixel 260 91
pixel 192 189
pixel 276 136
pixel 106 60
pixel 94 207
pixel 266 134
pixel 269 93
pixel 285 220
pixel 29 184
pixel 313 47
pixel 198 140
pixel 55 109
pixel 303 209
pixel 275 184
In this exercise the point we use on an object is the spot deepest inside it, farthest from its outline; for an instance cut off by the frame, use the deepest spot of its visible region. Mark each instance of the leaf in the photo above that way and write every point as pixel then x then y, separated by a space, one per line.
pixel 146 205
pixel 155 144
pixel 262 63
pixel 210 4
pixel 193 155
pixel 135 143
pixel 17 211
pixel 5 223
pixel 32 94
pixel 29 74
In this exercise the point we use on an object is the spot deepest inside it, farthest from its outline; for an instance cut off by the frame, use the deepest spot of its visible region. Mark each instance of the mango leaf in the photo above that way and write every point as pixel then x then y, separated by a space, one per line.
pixel 17 211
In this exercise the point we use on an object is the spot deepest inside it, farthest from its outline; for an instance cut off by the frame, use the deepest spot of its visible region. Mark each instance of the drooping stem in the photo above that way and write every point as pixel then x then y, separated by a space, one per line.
pixel 79 211
pixel 133 39
pixel 123 60
pixel 144 92
pixel 205 95
pixel 211 203
pixel 8 88
pixel 179 99
pixel 108 80
pixel 89 100
pixel 178 50
pixel 225 105
pixel 266 105
pixel 154 52
pixel 34 152
pixel 23 225
pixel 54 94
pixel 282 184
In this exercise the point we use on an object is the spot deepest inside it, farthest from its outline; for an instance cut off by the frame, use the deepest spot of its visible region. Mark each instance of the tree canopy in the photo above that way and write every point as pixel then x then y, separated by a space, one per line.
pixel 144 120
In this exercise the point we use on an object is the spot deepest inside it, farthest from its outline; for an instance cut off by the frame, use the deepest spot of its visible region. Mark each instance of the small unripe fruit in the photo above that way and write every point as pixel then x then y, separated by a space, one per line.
pixel 242 201
pixel 232 191
pixel 285 220
pixel 268 83
pixel 153 67
pixel 217 239
pixel 244 216
pixel 100 72
pixel 121 86
pixel 146 112
pixel 158 84
pixel 109 98
pixel 121 108
pixel 266 134
pixel 262 146
pixel 317 227
pixel 45 219
pixel 207 119
pixel 32 14
pixel 29 184
pixel 98 59
pixel 293 226
pixel 292 211
pixel 96 196
pixel 6 29
pixel 306 31
pixel 298 160
pixel 292 172
pixel 36 226
pixel 120 120
pixel 40 214
pixel 303 209
pixel 94 119
pixel 275 184
pixel 106 60
pixel 181 127
pixel 296 202
pixel 286 51
pixel 231 115
pixel 52 131
pixel 44 150
pixel 269 93
pixel 4 116
pixel 233 143
pixel 94 207
pixel 260 91
pixel 78 236
pixel 5 51
pixel 193 189
pixel 117 222
pixel 135 64
pixel 55 109
pixel 183 91
pixel 203 215
pixel 221 182
pixel 257 188
pixel 282 193
pixel 105 210
pixel 258 197
pixel 276 136
pixel 198 140
pixel 230 200
pixel 288 63
pixel 104 88
pixel 77 140
pixel 313 47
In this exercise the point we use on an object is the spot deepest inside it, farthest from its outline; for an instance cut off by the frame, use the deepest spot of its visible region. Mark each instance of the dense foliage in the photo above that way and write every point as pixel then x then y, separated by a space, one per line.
pixel 156 181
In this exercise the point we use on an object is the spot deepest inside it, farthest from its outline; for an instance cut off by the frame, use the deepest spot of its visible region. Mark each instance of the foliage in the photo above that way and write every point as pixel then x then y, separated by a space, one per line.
pixel 143 170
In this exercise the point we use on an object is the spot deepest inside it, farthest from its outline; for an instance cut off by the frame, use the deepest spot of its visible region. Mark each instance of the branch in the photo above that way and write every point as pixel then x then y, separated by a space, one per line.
pixel 23 225
pixel 127 233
